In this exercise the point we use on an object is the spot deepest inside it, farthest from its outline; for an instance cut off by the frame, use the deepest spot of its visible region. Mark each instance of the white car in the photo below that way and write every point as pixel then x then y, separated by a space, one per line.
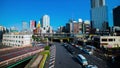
pixel 80 47
pixel 91 66
pixel 88 51
pixel 82 59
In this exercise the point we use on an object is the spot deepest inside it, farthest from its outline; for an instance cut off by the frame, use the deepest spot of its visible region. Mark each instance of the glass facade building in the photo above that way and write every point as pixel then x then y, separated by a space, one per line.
pixel 99 14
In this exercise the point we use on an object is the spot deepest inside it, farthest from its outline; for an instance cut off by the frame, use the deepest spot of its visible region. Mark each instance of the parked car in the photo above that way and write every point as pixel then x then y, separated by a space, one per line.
pixel 70 50
pixel 65 45
pixel 72 44
pixel 88 51
pixel 92 47
pixel 82 59
pixel 80 47
pixel 91 66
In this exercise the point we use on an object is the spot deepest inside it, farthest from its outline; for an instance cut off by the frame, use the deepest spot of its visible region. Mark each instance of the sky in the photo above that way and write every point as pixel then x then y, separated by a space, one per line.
pixel 13 12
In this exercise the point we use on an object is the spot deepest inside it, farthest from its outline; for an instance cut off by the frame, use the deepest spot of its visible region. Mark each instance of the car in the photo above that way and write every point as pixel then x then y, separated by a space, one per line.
pixel 65 45
pixel 82 59
pixel 88 51
pixel 91 47
pixel 91 66
pixel 70 50
pixel 80 47
pixel 76 46
pixel 72 44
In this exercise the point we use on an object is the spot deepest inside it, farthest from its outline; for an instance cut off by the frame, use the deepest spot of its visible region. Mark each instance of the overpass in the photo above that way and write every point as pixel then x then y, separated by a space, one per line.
pixel 61 37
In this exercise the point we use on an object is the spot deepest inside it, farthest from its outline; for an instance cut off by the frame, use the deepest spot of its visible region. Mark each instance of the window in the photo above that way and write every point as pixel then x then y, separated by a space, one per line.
pixel 110 39
pixel 104 39
pixel 114 39
pixel 22 42
pixel 22 36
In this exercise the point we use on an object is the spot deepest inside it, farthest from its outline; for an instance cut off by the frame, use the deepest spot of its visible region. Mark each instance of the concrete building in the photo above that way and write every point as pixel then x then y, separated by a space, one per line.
pixel 24 26
pixel 16 39
pixel 45 26
pixel 61 29
pixel 116 16
pixel 107 41
pixel 76 28
pixel 2 31
pixel 69 28
pixel 99 14
pixel 72 27
pixel 1 28
pixel 32 25
pixel 46 22
pixel 116 31
pixel 13 29
pixel 86 27
pixel 80 27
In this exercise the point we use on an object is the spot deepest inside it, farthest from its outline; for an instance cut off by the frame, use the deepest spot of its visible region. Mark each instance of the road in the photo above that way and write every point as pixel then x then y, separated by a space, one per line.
pixel 64 58
pixel 92 59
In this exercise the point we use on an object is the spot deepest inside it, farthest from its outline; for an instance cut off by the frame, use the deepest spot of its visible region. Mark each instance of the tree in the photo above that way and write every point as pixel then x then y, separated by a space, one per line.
pixel 33 37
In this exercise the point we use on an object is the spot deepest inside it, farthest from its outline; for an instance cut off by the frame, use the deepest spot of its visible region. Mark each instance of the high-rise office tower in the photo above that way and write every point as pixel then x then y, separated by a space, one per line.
pixel 97 3
pixel 24 26
pixel 98 14
pixel 32 25
pixel 46 22
pixel 116 16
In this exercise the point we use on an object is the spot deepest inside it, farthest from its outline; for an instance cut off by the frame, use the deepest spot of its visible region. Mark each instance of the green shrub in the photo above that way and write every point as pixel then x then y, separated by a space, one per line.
pixel 45 52
pixel 43 61
pixel 47 47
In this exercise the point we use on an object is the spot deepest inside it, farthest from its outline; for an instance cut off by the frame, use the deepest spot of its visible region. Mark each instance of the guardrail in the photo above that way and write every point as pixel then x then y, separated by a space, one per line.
pixel 14 59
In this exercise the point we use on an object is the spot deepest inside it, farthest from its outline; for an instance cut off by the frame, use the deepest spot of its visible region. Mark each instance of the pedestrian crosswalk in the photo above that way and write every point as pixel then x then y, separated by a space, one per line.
pixel 52 56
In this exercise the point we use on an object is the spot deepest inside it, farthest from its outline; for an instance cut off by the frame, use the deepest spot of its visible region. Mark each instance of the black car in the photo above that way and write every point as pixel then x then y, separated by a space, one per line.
pixel 70 50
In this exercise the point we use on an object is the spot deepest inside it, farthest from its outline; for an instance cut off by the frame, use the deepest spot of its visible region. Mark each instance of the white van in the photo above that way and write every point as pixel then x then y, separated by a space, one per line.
pixel 82 59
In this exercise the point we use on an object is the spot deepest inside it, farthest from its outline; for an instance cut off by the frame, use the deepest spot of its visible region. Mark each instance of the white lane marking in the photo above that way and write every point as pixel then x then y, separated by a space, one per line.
pixel 52 56
pixel 52 66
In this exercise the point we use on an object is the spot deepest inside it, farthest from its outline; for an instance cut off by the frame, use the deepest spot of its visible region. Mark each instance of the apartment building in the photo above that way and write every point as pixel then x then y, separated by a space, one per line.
pixel 13 39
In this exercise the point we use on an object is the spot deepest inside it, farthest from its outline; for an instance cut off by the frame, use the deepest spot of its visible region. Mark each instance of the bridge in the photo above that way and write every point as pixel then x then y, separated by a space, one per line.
pixel 61 37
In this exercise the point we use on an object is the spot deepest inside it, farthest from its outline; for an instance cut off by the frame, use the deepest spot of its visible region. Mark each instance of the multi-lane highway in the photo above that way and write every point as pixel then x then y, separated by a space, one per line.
pixel 66 60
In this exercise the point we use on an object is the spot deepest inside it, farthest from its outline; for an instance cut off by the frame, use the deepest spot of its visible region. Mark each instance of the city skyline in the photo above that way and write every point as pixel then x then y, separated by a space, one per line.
pixel 13 12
